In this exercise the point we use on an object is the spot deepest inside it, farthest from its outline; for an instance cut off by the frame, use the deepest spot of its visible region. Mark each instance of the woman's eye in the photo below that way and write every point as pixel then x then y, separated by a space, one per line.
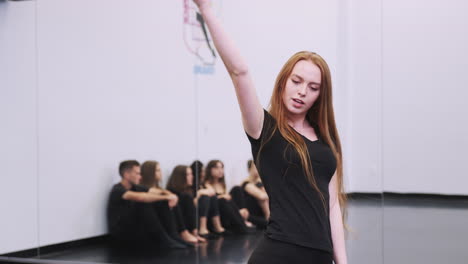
pixel 314 89
pixel 294 81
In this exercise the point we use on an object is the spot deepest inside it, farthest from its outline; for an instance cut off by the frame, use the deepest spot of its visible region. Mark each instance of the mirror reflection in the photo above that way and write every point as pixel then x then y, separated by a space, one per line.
pixel 424 108
pixel 134 145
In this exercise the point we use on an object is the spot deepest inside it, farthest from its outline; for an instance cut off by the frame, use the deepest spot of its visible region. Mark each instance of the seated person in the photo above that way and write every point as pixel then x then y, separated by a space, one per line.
pixel 255 197
pixel 181 183
pixel 132 219
pixel 169 212
pixel 253 201
pixel 209 207
pixel 231 217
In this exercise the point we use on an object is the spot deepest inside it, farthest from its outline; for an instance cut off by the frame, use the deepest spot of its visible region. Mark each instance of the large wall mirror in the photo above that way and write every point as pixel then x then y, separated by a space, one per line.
pixel 85 86
pixel 424 111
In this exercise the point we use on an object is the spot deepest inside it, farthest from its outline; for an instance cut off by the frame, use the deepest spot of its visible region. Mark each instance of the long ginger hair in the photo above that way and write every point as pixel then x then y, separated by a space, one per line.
pixel 321 113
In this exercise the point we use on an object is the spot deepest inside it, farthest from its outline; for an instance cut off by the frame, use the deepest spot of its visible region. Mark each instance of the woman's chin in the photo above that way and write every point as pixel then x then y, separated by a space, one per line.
pixel 295 111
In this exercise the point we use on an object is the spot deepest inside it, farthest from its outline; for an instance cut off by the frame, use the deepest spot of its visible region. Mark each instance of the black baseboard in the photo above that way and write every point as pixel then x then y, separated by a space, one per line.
pixel 361 195
pixel 425 195
pixel 35 252
pixel 395 195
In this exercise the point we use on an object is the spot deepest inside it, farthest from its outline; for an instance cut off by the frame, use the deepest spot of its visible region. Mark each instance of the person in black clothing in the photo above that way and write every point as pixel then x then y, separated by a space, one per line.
pixel 252 196
pixel 232 217
pixel 131 216
pixel 297 150
pixel 181 183
pixel 170 214
pixel 209 209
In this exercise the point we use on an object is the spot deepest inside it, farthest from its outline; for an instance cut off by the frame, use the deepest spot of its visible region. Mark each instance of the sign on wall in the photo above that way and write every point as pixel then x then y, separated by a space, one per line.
pixel 197 39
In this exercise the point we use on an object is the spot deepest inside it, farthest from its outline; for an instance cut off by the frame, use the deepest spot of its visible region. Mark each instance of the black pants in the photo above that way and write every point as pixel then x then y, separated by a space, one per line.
pixel 187 211
pixel 230 216
pixel 208 206
pixel 171 218
pixel 243 200
pixel 271 251
pixel 238 197
pixel 140 225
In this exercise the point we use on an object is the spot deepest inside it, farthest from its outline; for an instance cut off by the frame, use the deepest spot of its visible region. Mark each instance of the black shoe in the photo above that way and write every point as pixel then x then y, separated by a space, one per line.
pixel 183 242
pixel 209 236
pixel 173 244
pixel 252 230
pixel 224 233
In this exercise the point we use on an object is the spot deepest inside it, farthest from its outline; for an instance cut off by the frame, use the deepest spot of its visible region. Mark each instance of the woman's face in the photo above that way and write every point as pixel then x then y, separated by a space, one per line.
pixel 189 176
pixel 302 87
pixel 158 173
pixel 218 171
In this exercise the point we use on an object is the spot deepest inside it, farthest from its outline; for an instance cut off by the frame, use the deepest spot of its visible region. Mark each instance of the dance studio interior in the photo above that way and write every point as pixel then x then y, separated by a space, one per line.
pixel 93 92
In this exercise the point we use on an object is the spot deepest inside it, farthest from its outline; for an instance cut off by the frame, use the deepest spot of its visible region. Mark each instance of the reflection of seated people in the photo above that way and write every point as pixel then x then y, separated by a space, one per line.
pixel 170 212
pixel 181 182
pixel 252 197
pixel 210 211
pixel 231 217
pixel 132 218
pixel 256 198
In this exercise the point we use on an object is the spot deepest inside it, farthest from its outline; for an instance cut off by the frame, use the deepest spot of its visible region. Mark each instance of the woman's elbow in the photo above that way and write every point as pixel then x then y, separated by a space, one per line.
pixel 239 71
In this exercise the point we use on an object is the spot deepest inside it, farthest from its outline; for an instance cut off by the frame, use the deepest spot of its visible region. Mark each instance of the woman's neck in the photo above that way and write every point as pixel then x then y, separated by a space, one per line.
pixel 297 121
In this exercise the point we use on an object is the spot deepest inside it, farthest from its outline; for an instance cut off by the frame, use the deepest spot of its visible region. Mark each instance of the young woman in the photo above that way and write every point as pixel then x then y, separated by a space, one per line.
pixel 170 213
pixel 211 211
pixel 181 183
pixel 250 205
pixel 231 215
pixel 297 150
pixel 255 196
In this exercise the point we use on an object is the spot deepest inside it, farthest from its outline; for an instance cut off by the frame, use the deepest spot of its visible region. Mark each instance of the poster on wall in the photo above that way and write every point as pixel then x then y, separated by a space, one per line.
pixel 197 39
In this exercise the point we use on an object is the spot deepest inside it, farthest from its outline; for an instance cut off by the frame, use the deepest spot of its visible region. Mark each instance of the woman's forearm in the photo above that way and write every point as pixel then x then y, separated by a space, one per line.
pixel 230 55
pixel 337 231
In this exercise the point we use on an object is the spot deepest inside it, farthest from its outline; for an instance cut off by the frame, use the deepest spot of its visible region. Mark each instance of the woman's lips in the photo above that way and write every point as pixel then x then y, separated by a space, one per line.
pixel 298 101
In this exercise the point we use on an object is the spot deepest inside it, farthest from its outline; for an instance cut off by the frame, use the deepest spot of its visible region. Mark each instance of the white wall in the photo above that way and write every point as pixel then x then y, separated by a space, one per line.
pixel 425 62
pixel 406 72
pixel 18 141
pixel 364 80
pixel 115 83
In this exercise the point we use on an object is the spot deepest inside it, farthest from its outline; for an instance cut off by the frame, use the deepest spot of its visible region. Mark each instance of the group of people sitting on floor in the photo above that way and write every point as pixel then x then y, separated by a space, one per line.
pixel 194 206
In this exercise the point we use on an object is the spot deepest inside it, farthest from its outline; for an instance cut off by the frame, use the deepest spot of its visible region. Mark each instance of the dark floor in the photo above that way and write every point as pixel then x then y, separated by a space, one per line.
pixel 231 249
pixel 406 230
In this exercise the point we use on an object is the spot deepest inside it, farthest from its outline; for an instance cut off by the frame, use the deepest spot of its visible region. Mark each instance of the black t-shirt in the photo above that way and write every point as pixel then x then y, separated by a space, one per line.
pixel 119 209
pixel 297 212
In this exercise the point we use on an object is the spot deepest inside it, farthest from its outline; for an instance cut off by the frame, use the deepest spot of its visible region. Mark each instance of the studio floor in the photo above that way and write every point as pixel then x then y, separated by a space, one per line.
pixel 412 230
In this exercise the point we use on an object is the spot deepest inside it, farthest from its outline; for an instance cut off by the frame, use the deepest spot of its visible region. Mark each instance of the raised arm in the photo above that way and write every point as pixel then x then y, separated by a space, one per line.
pixel 251 109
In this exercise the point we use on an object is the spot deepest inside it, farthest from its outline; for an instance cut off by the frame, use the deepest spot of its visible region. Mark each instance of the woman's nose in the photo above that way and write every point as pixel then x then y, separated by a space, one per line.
pixel 302 90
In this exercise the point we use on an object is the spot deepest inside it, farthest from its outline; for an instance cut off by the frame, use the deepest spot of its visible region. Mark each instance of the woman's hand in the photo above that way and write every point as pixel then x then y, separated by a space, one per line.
pixel 172 200
pixel 225 196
